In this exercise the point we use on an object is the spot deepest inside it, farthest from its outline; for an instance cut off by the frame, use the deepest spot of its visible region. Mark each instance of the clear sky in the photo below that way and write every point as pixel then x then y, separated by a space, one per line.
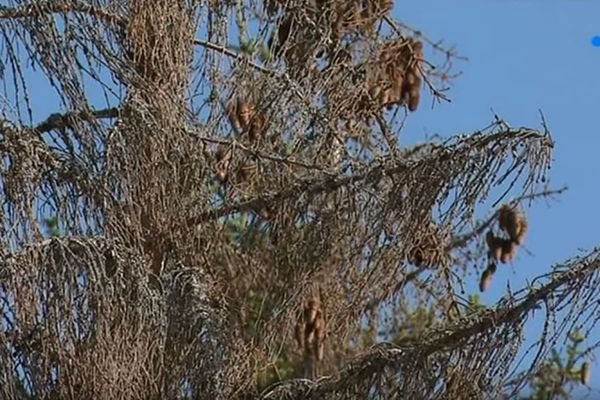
pixel 526 55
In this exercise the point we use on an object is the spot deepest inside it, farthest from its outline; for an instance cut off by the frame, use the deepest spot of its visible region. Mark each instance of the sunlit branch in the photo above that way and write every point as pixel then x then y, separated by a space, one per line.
pixel 61 121
pixel 73 243
pixel 38 9
pixel 463 240
pixel 436 45
pixel 259 154
pixel 392 357
pixel 232 54
pixel 308 187
pixel 328 184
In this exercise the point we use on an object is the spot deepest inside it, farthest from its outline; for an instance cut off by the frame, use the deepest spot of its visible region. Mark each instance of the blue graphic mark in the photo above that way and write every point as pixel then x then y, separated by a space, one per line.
pixel 596 41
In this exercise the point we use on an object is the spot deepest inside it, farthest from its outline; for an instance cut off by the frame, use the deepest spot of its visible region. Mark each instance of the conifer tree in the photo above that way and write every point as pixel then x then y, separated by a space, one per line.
pixel 220 205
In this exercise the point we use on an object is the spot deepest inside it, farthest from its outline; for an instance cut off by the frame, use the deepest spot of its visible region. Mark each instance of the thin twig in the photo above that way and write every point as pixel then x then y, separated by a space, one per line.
pixel 38 9
pixel 463 240
pixel 232 54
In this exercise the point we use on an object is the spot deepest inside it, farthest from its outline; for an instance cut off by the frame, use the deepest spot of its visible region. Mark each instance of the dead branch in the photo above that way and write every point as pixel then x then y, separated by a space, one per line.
pixel 485 323
pixel 62 121
pixel 42 8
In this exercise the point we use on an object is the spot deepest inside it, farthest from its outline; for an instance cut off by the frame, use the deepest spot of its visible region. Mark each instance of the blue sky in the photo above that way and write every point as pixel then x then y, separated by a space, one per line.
pixel 525 55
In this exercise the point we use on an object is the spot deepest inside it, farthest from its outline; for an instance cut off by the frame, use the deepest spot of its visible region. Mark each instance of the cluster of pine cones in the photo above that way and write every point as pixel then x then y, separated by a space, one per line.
pixel 504 249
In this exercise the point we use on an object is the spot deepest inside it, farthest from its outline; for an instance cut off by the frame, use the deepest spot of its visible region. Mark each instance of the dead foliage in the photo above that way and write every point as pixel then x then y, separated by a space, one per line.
pixel 129 271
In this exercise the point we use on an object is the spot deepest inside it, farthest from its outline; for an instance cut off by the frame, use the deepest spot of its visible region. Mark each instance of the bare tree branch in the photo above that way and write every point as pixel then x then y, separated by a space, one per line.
pixel 463 240
pixel 232 54
pixel 330 183
pixel 389 356
pixel 41 8
pixel 61 121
